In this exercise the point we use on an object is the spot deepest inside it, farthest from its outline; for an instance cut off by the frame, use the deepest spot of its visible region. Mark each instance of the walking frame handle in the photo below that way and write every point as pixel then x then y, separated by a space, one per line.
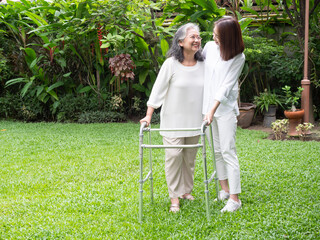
pixel 142 126
pixel 203 127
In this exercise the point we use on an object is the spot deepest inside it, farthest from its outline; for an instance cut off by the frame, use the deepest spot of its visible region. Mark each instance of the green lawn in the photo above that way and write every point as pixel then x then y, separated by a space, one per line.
pixel 71 181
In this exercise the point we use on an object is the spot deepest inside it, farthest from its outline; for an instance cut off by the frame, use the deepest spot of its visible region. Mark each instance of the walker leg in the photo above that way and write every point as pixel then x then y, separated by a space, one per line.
pixel 214 164
pixel 206 190
pixel 141 179
pixel 150 163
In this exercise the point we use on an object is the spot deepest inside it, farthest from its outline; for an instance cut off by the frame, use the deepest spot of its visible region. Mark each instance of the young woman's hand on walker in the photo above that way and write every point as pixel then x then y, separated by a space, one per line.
pixel 209 116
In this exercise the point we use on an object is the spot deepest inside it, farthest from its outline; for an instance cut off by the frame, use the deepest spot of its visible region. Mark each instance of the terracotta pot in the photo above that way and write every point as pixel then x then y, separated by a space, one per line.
pixel 246 114
pixel 296 114
pixel 295 118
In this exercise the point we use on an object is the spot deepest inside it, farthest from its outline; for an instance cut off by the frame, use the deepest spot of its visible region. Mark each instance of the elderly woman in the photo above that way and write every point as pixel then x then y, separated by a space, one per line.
pixel 178 90
pixel 224 63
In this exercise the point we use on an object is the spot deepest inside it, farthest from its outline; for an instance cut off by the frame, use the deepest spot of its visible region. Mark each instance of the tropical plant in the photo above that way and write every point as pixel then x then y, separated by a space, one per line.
pixel 72 42
pixel 121 67
pixel 280 128
pixel 262 58
pixel 295 10
pixel 292 98
pixel 266 99
pixel 133 28
pixel 303 129
pixel 38 83
pixel 5 71
pixel 202 12
pixel 293 13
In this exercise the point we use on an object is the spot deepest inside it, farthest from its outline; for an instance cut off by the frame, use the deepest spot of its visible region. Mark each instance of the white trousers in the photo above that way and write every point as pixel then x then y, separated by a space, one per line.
pixel 179 165
pixel 224 138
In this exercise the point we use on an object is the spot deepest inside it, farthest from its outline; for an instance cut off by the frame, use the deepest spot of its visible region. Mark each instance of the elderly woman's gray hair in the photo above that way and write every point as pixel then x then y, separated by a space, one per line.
pixel 176 50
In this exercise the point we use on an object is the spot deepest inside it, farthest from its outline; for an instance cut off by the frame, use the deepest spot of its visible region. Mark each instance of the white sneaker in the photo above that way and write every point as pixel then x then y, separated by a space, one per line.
pixel 223 195
pixel 231 206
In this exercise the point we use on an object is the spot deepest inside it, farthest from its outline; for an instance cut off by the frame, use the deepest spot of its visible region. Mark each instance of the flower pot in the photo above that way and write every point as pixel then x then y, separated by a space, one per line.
pixel 295 118
pixel 246 114
pixel 269 116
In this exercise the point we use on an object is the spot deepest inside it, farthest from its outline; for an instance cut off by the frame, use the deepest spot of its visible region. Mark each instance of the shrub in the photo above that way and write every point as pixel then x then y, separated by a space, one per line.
pixel 71 107
pixel 303 129
pixel 280 128
pixel 101 117
pixel 268 65
pixel 32 110
pixel 5 71
pixel 27 108
pixel 9 105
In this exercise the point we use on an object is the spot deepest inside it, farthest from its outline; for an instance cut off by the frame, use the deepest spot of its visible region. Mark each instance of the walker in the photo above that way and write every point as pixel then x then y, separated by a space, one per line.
pixel 149 176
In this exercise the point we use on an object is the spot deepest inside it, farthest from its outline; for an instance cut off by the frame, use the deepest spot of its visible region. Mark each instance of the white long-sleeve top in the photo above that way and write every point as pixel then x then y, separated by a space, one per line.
pixel 221 80
pixel 179 91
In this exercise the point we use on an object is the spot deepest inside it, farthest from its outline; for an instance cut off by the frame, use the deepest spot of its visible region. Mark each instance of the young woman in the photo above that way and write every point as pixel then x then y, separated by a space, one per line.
pixel 179 91
pixel 223 65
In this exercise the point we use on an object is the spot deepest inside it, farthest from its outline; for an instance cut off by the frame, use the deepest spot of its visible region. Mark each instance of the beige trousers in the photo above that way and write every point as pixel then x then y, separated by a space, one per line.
pixel 179 165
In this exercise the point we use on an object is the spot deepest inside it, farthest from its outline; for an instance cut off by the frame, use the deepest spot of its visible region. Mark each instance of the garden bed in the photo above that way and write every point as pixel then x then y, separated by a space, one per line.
pixel 314 136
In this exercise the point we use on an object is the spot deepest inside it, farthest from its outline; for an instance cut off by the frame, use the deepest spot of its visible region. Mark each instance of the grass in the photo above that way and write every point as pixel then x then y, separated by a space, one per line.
pixel 71 181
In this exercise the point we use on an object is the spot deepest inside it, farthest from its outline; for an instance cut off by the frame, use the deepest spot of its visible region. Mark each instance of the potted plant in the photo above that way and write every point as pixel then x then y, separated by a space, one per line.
pixel 246 114
pixel 246 109
pixel 292 113
pixel 267 103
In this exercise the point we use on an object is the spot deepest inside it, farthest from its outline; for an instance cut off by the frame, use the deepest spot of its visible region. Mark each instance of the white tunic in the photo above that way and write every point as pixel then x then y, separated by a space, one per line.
pixel 221 80
pixel 179 90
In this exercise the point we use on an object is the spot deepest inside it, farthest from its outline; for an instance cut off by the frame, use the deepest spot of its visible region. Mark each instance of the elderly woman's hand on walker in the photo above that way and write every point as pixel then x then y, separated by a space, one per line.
pixel 148 116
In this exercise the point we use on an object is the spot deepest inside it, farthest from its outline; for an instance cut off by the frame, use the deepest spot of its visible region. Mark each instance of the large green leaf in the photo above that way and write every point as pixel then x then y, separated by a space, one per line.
pixel 85 89
pixel 75 52
pixel 139 87
pixel 143 76
pixel 53 94
pixel 45 8
pixel 25 88
pixel 81 10
pixel 44 97
pixel 39 89
pixel 248 3
pixel 179 18
pixel 31 54
pixel 26 3
pixel 207 4
pixel 55 85
pixel 164 46
pixel 140 41
pixel 12 27
pixel 33 64
pixel 244 23
pixel 15 81
pixel 36 19
pixel 194 17
pixel 250 10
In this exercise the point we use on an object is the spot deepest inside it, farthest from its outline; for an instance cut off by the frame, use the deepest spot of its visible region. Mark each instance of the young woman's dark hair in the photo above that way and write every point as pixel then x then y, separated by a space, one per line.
pixel 230 37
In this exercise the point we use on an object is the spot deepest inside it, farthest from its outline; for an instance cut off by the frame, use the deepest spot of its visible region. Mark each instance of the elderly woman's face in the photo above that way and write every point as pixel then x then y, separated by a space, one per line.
pixel 192 41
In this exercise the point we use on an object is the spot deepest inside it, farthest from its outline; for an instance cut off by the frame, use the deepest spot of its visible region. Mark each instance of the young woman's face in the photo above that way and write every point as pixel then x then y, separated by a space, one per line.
pixel 192 41
pixel 215 35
